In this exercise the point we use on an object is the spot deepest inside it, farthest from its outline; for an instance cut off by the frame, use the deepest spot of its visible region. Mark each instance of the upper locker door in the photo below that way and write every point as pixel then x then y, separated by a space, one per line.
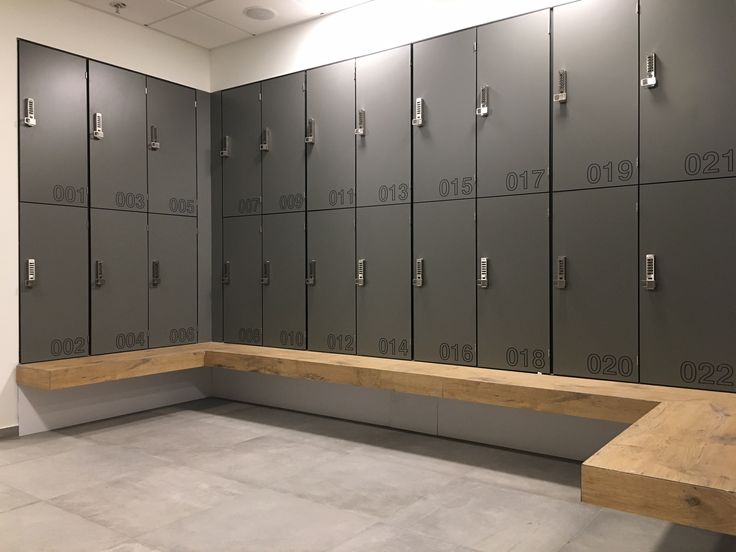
pixel 594 90
pixel 52 112
pixel 117 143
pixel 513 106
pixel 444 282
pixel 282 144
pixel 282 278
pixel 54 296
pixel 172 292
pixel 595 279
pixel 687 299
pixel 172 149
pixel 383 132
pixel 687 115
pixel 444 117
pixel 241 154
pixel 513 283
pixel 330 136
pixel 331 280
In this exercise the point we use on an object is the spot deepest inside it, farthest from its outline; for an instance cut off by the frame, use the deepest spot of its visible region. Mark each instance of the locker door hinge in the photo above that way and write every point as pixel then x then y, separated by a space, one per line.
pixel 195 104
pixel 146 90
pixel 86 75
pixel 260 96
pixel 637 206
pixel 475 46
pixel 549 25
pixel 304 86
pixel 547 212
pixel 637 162
pixel 637 8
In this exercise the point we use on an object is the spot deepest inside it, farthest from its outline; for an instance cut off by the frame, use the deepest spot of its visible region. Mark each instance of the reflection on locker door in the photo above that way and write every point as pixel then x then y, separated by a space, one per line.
pixel 241 154
pixel 382 129
pixel 595 122
pixel 331 280
pixel 382 279
pixel 172 292
pixel 117 138
pixel 444 117
pixel 513 283
pixel 595 284
pixel 282 279
pixel 687 115
pixel 330 136
pixel 241 280
pixel 172 148
pixel 444 282
pixel 282 144
pixel 53 282
pixel 52 122
pixel 119 281
pixel 513 105
pixel 687 299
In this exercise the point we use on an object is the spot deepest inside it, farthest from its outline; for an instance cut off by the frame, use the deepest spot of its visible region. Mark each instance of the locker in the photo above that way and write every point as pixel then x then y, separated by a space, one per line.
pixel 444 282
pixel 688 305
pixel 444 134
pixel 172 285
pixel 172 148
pixel 383 281
pixel 241 279
pixel 241 154
pixel 282 142
pixel 595 122
pixel 687 116
pixel 119 281
pixel 52 112
pixel 331 280
pixel 513 106
pixel 330 136
pixel 54 311
pixel 284 296
pixel 117 138
pixel 383 133
pixel 595 330
pixel 513 283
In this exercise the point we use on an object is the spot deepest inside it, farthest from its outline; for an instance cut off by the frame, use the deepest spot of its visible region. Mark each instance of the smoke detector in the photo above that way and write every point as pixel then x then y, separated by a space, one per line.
pixel 259 13
pixel 117 6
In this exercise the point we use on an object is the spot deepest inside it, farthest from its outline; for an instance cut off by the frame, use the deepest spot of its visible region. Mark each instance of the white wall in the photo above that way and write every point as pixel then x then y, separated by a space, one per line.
pixel 365 29
pixel 71 27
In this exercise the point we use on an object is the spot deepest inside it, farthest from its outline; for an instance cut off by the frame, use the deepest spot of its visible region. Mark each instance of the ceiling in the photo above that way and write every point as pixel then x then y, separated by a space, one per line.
pixel 213 23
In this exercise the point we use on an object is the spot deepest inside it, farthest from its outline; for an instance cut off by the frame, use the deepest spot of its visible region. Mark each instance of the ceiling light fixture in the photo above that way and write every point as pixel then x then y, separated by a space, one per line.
pixel 259 13
pixel 118 6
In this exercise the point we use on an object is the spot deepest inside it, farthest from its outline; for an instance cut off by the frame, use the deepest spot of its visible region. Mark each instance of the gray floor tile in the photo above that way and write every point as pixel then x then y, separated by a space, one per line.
pixel 385 538
pixel 21 449
pixel 131 547
pixel 11 498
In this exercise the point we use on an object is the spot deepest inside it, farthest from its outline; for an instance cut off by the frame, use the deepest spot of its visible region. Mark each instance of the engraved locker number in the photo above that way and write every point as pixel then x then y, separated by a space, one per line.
pixel 250 205
pixel 182 205
pixel 610 365
pixel 604 172
pixel 340 342
pixel 289 202
pixel 343 196
pixel 251 336
pixel 514 179
pixel 68 345
pixel 391 346
pixel 710 162
pixel 456 352
pixel 707 373
pixel 69 194
pixel 182 335
pixel 130 340
pixel 456 186
pixel 521 357
pixel 291 338
pixel 393 192
pixel 130 200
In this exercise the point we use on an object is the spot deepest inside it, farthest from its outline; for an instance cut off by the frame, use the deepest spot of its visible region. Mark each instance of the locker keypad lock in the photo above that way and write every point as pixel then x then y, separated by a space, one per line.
pixel 360 129
pixel 483 280
pixel 154 144
pixel 311 273
pixel 311 132
pixel 561 96
pixel 266 139
pixel 418 119
pixel 226 272
pixel 99 276
pixel 97 132
pixel 266 273
pixel 418 280
pixel 155 274
pixel 30 273
pixel 650 81
pixel 650 276
pixel 360 276
pixel 561 272
pixel 225 151
pixel 482 110
pixel 30 112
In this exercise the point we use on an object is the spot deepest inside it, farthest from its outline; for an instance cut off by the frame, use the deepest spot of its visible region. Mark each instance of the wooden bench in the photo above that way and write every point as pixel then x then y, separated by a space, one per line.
pixel 676 461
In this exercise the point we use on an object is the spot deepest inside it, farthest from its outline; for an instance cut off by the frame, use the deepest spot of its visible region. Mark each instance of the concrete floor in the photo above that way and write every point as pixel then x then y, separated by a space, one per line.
pixel 219 476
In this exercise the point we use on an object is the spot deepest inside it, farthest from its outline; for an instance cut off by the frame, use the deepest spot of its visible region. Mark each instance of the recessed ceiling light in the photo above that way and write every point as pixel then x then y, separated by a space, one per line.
pixel 259 13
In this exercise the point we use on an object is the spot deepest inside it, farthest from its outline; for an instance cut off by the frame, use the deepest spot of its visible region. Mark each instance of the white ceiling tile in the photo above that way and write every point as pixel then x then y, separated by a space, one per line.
pixel 288 12
pixel 200 29
pixel 142 12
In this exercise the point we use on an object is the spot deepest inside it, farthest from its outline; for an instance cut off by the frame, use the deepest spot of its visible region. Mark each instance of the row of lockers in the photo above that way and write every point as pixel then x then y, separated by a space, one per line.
pixel 630 286
pixel 136 135
pixel 624 97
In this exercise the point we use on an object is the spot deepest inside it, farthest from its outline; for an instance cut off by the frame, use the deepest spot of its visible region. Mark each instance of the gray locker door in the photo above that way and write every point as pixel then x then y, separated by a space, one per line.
pixel 284 296
pixel 444 306
pixel 242 321
pixel 688 319
pixel 117 157
pixel 284 159
pixel 513 125
pixel 331 158
pixel 54 308
pixel 444 146
pixel 119 281
pixel 513 304
pixel 595 131
pixel 331 297
pixel 172 291
pixel 595 315
pixel 384 292
pixel 241 164
pixel 383 95
pixel 687 119
pixel 53 150
pixel 172 149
